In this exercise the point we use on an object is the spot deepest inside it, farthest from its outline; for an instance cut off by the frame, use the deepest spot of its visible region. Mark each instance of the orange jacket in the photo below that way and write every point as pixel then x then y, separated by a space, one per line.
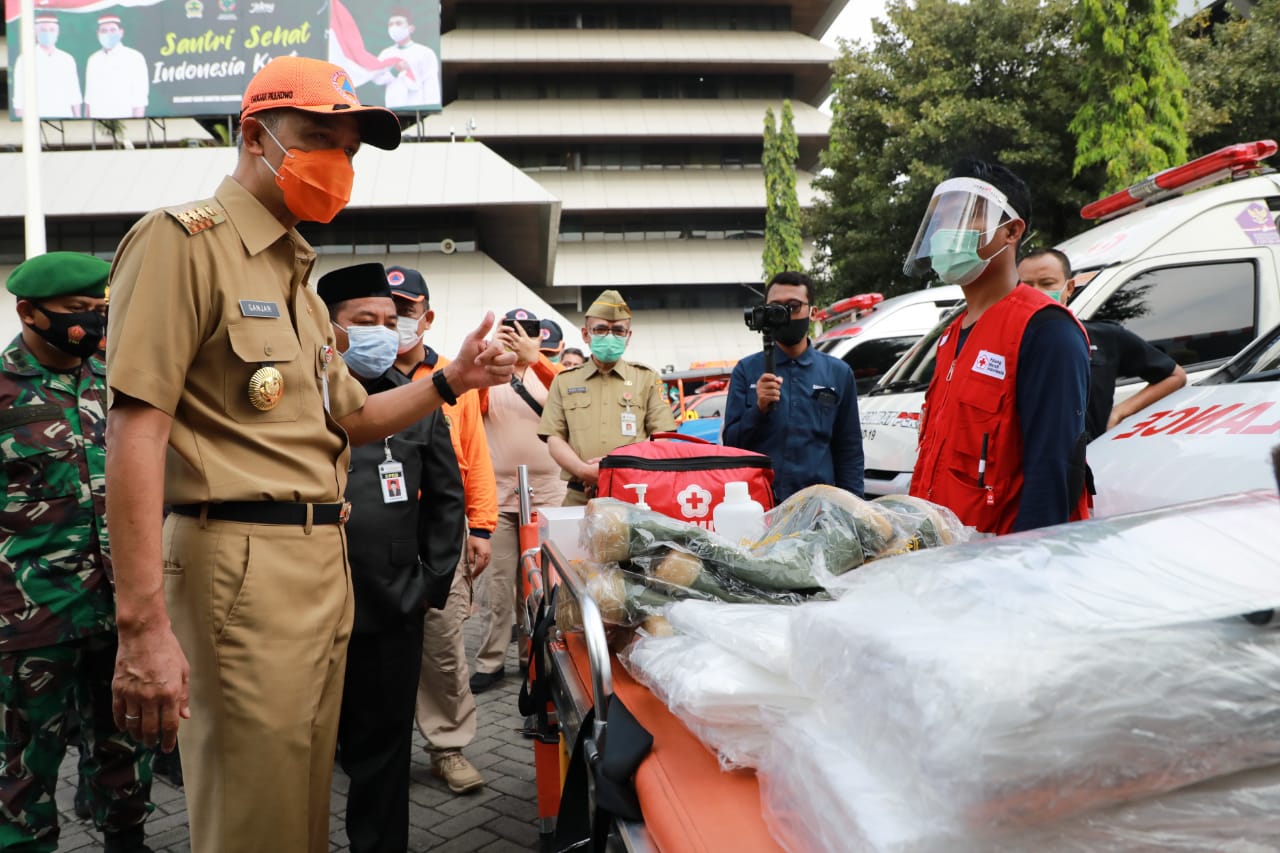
pixel 466 428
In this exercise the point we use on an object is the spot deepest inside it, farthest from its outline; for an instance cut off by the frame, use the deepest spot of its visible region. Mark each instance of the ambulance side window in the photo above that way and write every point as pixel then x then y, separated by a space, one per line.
pixel 1200 314
pixel 872 359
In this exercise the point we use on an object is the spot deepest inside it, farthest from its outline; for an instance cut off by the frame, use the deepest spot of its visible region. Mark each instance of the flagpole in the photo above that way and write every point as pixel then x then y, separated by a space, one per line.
pixel 34 217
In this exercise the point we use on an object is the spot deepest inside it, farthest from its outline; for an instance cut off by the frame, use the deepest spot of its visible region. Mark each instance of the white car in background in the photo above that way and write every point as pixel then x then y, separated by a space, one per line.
pixel 871 340
pixel 1196 274
pixel 1214 438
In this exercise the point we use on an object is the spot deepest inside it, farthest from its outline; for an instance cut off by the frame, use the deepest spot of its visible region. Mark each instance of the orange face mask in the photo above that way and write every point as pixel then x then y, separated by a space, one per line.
pixel 316 184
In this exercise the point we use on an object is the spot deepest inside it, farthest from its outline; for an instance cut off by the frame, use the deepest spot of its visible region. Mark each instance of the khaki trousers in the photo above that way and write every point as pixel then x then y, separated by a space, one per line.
pixel 263 614
pixel 446 712
pixel 496 594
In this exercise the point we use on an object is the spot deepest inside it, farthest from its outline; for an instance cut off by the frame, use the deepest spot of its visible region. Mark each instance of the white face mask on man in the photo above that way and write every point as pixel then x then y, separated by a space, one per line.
pixel 407 332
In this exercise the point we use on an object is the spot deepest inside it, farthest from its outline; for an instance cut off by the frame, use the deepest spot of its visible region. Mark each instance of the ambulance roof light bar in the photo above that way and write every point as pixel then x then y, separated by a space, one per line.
pixel 861 302
pixel 1182 179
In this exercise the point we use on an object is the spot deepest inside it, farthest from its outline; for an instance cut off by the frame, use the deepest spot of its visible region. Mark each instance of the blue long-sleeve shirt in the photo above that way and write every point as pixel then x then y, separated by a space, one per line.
pixel 812 434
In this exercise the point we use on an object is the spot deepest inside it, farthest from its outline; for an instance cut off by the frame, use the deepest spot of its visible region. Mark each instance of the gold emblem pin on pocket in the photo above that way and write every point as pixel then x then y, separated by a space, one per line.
pixel 266 387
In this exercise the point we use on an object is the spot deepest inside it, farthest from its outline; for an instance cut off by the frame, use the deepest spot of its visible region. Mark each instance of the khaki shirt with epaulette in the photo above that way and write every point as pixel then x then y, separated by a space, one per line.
pixel 585 407
pixel 203 296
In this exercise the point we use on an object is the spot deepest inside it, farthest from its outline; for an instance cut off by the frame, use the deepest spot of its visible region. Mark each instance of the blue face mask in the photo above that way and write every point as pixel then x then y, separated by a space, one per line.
pixel 371 350
pixel 45 38
pixel 109 40
pixel 608 348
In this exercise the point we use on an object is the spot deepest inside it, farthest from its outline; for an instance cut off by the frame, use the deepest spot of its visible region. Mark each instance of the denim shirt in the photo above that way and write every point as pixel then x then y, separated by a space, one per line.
pixel 812 434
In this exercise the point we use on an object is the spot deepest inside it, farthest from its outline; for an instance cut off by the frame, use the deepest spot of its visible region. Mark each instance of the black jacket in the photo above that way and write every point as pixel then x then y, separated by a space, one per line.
pixel 403 555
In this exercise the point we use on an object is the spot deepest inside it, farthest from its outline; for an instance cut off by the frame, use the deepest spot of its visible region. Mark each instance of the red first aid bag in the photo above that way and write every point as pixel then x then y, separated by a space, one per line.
pixel 684 475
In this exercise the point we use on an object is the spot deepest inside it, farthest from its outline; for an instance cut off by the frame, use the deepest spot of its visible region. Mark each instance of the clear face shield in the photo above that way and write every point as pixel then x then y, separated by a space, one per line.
pixel 962 217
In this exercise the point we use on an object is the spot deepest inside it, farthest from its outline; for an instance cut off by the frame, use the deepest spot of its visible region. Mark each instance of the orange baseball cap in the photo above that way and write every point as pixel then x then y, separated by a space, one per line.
pixel 316 86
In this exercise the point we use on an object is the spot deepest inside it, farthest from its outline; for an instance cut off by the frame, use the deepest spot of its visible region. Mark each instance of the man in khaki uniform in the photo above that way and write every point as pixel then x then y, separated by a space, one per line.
pixel 229 403
pixel 605 404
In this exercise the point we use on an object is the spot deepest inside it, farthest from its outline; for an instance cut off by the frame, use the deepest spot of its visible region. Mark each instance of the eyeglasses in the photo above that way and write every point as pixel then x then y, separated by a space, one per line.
pixel 793 305
pixel 616 331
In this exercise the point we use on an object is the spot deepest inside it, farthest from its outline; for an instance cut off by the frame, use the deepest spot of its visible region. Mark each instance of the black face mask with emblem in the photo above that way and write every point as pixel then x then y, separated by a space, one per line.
pixel 76 333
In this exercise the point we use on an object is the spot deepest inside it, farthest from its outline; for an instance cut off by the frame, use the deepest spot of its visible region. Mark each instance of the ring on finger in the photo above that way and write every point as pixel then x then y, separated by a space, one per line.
pixel 133 716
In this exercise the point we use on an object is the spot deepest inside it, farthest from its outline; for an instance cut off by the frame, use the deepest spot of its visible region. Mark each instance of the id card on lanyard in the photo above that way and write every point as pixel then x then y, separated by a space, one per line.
pixel 391 477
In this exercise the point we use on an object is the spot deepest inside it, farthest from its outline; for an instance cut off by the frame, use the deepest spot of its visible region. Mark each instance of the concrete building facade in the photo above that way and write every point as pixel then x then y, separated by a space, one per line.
pixel 611 145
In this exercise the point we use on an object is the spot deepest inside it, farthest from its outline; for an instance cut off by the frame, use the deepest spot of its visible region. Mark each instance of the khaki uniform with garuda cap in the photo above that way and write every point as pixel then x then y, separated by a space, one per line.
pixel 213 324
pixel 57 611
pixel 597 411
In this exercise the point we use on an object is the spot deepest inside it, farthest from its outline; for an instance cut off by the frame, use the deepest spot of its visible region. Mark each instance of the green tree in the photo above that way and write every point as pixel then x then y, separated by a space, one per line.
pixel 1233 67
pixel 943 80
pixel 1132 121
pixel 782 239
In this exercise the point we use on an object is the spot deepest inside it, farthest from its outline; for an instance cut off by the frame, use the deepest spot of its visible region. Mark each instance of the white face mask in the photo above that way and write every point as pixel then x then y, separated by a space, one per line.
pixel 407 331
pixel 398 33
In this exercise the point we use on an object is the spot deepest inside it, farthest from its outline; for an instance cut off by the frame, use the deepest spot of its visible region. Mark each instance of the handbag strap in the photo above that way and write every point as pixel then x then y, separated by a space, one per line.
pixel 519 388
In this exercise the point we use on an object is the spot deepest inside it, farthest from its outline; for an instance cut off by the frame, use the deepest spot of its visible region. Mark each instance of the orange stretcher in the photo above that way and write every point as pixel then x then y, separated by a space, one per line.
pixel 689 804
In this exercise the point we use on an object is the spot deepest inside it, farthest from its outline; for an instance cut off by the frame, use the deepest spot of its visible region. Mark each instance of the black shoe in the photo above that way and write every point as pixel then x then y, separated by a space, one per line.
pixel 482 681
pixel 168 765
pixel 83 808
pixel 126 841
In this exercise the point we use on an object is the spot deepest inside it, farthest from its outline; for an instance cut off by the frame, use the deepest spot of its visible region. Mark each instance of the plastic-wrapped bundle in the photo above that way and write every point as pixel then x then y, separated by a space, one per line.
pixel 732 705
pixel 1003 688
pixel 816 533
pixel 818 797
pixel 757 634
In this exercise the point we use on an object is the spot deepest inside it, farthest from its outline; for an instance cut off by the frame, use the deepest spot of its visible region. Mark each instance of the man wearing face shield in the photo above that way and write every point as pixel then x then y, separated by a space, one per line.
pixel 1002 433
pixel 230 404
pixel 406 528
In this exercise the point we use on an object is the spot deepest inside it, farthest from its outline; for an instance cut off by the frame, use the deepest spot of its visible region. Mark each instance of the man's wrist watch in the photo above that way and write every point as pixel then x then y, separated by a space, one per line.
pixel 442 388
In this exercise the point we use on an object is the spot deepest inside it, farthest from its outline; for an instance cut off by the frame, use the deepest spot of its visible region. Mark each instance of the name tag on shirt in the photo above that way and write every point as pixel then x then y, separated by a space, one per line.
pixel 629 424
pixel 254 308
pixel 989 364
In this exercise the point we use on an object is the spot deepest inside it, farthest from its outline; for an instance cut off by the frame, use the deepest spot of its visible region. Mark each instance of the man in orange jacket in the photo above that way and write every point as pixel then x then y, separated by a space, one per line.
pixel 446 713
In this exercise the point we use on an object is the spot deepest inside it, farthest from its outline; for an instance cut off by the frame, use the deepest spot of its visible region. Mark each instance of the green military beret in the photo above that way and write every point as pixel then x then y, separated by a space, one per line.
pixel 609 306
pixel 59 274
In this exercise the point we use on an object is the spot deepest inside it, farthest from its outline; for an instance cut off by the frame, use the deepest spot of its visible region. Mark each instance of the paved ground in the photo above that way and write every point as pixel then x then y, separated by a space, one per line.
pixel 499 817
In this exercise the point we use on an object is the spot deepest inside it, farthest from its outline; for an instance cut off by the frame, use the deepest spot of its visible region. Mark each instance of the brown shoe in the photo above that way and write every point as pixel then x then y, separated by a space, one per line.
pixel 458 773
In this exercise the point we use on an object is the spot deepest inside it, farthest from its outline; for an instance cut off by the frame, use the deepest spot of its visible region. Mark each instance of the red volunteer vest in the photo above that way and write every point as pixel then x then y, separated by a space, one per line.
pixel 972 397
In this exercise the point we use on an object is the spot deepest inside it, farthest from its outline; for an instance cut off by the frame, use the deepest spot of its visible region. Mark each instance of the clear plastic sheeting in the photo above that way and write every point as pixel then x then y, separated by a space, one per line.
pixel 1203 560
pixel 816 534
pixel 758 634
pixel 821 799
pixel 1041 691
pixel 732 705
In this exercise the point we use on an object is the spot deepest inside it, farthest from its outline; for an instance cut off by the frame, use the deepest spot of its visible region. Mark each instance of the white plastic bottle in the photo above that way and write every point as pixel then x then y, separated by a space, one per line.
pixel 739 518
pixel 640 488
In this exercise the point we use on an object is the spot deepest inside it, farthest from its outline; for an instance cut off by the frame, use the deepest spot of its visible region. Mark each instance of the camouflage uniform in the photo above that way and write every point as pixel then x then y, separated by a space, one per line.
pixel 57 626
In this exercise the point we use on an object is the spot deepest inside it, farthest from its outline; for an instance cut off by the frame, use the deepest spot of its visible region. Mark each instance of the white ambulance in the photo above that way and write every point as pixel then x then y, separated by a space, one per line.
pixel 1213 438
pixel 1195 273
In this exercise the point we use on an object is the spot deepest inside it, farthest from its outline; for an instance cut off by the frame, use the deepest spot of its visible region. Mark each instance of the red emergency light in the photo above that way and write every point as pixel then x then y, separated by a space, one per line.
pixel 1180 179
pixel 861 302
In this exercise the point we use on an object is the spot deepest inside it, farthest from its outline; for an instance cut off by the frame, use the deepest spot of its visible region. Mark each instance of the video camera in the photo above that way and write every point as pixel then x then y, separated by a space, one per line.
pixel 767 319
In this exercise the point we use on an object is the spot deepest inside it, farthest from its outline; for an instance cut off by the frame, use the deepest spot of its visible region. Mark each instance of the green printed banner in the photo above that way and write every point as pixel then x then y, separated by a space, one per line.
pixel 163 58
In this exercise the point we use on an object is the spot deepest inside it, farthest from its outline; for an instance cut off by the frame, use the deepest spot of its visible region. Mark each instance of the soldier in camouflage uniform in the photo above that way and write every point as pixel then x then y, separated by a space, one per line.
pixel 57 610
